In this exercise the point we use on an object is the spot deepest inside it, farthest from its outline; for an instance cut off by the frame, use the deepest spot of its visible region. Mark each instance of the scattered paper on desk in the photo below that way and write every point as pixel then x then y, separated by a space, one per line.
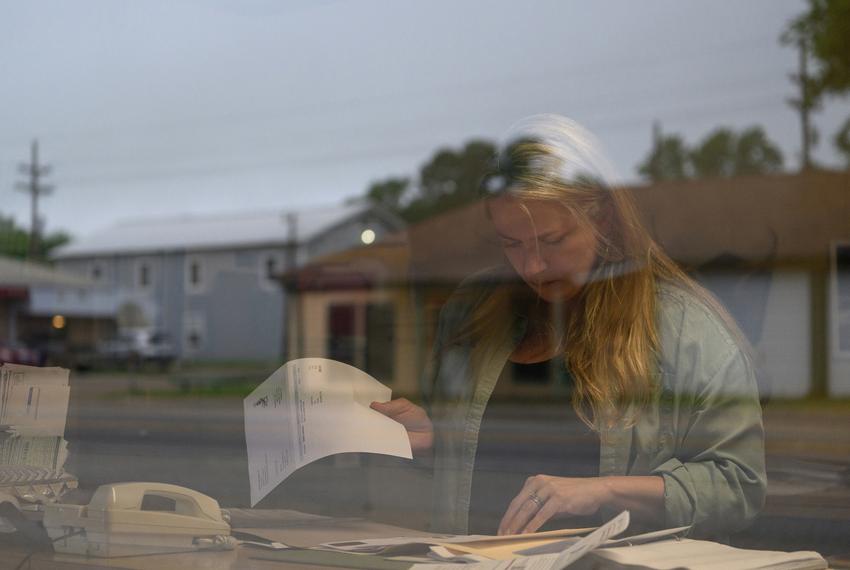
pixel 541 562
pixel 703 555
pixel 476 544
pixel 557 561
pixel 612 528
pixel 311 408
pixel 505 547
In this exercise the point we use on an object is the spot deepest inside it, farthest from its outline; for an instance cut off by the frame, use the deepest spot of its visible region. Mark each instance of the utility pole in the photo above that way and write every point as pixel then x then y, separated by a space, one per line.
pixel 292 322
pixel 35 188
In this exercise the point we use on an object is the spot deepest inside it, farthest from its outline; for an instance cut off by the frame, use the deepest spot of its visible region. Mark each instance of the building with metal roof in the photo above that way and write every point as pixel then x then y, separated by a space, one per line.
pixel 209 282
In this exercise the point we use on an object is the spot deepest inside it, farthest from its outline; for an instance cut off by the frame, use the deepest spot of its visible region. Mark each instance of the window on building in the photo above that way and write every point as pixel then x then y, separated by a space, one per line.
pixel 194 329
pixel 144 275
pixel 195 273
pixel 342 333
pixel 193 339
pixel 363 335
pixel 271 268
pixel 380 341
pixel 841 288
pixel 96 272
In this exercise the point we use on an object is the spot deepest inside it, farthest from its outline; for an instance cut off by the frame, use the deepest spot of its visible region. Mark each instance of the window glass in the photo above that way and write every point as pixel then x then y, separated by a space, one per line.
pixel 595 255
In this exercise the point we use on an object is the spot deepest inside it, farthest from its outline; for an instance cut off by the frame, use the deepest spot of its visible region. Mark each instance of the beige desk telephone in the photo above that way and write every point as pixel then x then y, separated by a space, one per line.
pixel 119 521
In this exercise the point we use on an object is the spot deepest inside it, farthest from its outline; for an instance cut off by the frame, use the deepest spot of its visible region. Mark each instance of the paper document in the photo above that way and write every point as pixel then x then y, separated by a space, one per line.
pixel 486 545
pixel 702 555
pixel 311 408
pixel 33 401
pixel 556 561
pixel 506 547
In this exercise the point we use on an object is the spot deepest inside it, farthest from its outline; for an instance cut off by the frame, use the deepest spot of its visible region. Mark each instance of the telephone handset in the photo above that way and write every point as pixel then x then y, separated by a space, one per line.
pixel 127 519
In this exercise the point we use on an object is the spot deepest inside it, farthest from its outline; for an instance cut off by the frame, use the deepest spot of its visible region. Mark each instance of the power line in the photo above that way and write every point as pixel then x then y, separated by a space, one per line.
pixel 557 74
pixel 693 109
pixel 196 162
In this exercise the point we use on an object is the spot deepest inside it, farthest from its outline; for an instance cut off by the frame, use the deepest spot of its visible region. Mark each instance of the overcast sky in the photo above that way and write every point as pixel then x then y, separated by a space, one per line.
pixel 164 107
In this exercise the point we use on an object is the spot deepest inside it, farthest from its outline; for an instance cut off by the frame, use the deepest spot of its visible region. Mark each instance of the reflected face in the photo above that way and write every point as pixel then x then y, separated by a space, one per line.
pixel 545 245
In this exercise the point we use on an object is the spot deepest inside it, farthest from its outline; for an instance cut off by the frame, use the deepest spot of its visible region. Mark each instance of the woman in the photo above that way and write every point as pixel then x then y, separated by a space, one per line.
pixel 658 371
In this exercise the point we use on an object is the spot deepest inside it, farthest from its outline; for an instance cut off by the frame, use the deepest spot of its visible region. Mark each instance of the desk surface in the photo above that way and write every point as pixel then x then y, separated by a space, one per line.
pixel 290 527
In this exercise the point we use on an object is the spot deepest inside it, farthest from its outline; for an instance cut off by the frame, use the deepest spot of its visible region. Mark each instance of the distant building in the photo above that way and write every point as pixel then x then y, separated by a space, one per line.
pixel 774 249
pixel 210 282
pixel 42 308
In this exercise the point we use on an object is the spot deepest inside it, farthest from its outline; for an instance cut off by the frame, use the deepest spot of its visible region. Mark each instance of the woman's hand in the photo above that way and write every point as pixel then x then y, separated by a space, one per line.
pixel 544 497
pixel 415 420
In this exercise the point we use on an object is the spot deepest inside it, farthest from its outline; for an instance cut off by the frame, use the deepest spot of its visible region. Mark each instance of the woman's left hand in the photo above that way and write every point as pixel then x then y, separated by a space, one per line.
pixel 544 497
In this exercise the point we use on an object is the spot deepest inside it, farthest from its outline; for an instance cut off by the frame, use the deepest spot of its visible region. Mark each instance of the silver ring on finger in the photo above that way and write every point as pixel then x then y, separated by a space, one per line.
pixel 534 498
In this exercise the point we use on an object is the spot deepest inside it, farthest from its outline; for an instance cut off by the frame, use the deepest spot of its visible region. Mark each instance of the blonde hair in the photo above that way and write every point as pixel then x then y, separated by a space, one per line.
pixel 610 339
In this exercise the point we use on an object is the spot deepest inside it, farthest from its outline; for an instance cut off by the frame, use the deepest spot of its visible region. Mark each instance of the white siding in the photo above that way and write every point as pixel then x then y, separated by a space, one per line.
pixel 785 348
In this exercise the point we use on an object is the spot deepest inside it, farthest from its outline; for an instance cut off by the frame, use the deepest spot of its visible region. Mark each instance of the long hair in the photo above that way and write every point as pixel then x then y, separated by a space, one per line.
pixel 609 335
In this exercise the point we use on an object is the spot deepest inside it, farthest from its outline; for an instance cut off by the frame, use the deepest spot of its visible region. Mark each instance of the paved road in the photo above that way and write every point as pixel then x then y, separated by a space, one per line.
pixel 199 443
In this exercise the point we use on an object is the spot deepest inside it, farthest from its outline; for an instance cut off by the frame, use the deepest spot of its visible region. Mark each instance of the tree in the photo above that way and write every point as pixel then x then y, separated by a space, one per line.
pixel 450 179
pixel 722 153
pixel 14 240
pixel 755 154
pixel 716 156
pixel 450 172
pixel 388 193
pixel 668 159
pixel 822 33
pixel 842 141
pixel 825 29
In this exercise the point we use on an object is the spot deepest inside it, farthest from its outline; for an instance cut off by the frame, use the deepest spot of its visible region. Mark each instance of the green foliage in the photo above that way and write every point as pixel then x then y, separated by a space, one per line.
pixel 842 141
pixel 450 172
pixel 14 241
pixel 755 154
pixel 825 30
pixel 668 160
pixel 449 179
pixel 388 193
pixel 716 155
pixel 722 153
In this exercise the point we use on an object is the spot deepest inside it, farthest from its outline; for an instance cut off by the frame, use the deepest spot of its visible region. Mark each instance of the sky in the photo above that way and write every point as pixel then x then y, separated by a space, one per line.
pixel 171 107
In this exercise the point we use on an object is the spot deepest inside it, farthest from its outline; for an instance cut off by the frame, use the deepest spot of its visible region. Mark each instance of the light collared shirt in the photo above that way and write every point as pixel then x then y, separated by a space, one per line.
pixel 702 432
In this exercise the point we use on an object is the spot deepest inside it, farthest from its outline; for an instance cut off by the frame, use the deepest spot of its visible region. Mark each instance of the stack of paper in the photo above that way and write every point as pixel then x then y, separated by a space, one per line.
pixel 33 401
pixel 598 550
pixel 33 409
pixel 700 555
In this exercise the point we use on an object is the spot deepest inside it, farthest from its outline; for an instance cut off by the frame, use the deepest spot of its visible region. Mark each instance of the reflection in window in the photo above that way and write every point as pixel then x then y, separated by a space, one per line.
pixel 341 333
pixel 195 274
pixel 842 297
pixel 194 339
pixel 380 341
pixel 271 268
pixel 144 275
pixel 363 335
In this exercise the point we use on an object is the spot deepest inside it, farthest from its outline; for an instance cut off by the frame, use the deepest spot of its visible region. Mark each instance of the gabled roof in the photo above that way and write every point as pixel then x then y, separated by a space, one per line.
pixel 16 273
pixel 757 220
pixel 194 232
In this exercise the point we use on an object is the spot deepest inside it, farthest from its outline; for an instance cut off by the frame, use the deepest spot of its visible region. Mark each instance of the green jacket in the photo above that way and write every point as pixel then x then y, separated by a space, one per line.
pixel 703 432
